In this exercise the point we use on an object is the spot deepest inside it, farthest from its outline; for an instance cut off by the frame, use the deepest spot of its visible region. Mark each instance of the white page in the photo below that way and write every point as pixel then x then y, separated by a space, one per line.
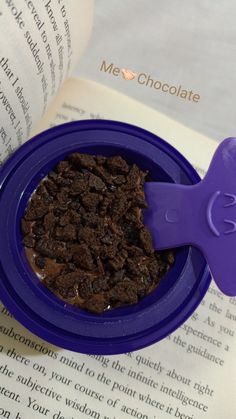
pixel 113 387
pixel 179 42
pixel 40 44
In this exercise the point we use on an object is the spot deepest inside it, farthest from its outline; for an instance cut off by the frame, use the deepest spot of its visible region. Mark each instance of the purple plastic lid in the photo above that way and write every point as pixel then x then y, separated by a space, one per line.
pixel 123 329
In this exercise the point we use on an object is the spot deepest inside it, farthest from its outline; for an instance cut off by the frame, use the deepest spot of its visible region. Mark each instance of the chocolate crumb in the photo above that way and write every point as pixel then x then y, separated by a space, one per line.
pixel 84 227
pixel 40 262
pixel 29 241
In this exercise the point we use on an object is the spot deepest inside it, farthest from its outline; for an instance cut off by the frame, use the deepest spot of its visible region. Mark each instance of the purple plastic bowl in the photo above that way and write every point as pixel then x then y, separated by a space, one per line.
pixel 123 329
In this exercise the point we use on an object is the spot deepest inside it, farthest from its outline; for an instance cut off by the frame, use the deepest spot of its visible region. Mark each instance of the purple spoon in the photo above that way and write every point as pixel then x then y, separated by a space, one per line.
pixel 203 215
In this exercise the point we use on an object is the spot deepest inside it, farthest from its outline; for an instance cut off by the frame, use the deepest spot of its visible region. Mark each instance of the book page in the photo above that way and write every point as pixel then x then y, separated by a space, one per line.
pixel 40 43
pixel 85 99
pixel 179 57
pixel 189 375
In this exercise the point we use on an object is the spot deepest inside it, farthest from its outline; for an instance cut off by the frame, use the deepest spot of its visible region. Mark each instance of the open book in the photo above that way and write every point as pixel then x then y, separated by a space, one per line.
pixel 189 375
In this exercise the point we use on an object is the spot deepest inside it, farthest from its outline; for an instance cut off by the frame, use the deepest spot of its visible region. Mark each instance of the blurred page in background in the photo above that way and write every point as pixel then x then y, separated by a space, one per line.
pixel 40 45
pixel 176 56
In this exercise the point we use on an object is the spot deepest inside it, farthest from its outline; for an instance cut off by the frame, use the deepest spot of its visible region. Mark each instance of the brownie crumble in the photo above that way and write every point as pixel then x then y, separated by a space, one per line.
pixel 84 235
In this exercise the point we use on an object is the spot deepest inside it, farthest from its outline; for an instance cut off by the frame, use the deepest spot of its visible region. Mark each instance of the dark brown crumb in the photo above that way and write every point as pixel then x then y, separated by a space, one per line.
pixel 40 262
pixel 84 225
pixel 28 241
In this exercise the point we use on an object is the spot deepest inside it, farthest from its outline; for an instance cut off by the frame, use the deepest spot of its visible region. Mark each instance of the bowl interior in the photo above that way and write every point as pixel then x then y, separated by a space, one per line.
pixel 156 173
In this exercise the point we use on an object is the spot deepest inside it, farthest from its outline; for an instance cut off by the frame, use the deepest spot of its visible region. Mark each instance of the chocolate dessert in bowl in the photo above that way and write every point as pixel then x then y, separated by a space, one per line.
pixel 77 264
pixel 84 234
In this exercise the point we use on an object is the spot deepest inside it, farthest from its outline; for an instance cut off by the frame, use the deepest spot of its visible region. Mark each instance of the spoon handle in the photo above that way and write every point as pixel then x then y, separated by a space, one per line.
pixel 203 215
